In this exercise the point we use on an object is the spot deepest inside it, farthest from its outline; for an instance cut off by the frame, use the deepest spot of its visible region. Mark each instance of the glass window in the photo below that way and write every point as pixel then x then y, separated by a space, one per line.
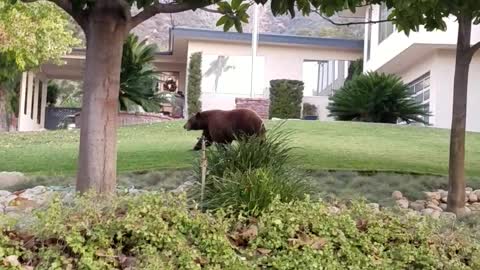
pixel 420 91
pixel 385 28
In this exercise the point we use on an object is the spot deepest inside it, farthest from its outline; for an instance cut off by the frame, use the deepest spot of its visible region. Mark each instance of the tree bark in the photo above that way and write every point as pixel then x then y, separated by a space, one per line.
pixel 3 110
pixel 456 181
pixel 106 32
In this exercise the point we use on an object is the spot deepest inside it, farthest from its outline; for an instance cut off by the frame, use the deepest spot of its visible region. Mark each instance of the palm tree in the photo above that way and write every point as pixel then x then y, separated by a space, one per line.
pixel 138 78
pixel 374 97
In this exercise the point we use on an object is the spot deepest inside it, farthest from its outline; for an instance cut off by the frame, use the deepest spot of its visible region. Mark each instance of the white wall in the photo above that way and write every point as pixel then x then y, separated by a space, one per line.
pixel 280 62
pixel 444 69
pixel 398 42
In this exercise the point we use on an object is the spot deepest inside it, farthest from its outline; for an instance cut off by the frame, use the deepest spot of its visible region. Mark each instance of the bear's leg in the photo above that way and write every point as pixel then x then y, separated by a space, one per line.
pixel 208 141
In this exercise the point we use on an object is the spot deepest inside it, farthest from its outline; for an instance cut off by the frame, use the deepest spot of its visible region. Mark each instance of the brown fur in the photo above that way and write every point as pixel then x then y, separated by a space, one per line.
pixel 224 126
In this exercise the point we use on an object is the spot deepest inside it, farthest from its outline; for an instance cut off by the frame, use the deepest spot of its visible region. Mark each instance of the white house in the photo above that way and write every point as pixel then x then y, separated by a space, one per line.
pixel 425 61
pixel 322 63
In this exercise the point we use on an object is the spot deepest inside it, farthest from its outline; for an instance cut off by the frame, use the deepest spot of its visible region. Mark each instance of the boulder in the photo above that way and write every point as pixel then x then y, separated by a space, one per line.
pixel 402 203
pixel 436 214
pixel 475 207
pixel 417 205
pixel 468 189
pixel 427 211
pixel 433 196
pixel 434 207
pixel 444 199
pixel 443 206
pixel 472 198
pixel 397 195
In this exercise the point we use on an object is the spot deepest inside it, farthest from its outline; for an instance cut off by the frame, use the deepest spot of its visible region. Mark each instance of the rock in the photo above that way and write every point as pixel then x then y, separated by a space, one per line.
pixel 402 203
pixel 35 190
pixel 374 206
pixel 435 202
pixel 447 216
pixel 7 199
pixel 443 206
pixel 473 198
pixel 434 207
pixel 444 199
pixel 417 205
pixel 427 211
pixel 8 179
pixel 436 214
pixel 468 211
pixel 4 193
pixel 477 192
pixel 333 210
pixel 433 196
pixel 184 187
pixel 468 189
pixel 397 195
pixel 475 207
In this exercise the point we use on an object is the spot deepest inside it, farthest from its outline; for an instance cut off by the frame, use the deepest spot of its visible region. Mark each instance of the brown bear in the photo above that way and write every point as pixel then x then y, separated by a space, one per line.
pixel 224 126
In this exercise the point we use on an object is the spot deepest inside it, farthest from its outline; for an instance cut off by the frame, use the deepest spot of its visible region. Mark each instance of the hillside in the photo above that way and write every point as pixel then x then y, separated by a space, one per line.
pixel 157 28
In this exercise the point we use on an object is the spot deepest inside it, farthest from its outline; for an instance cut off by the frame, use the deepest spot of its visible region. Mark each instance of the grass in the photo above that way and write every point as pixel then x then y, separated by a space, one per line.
pixel 321 146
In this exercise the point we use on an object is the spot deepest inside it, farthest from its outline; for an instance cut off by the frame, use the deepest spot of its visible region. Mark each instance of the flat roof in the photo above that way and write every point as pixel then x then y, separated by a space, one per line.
pixel 203 34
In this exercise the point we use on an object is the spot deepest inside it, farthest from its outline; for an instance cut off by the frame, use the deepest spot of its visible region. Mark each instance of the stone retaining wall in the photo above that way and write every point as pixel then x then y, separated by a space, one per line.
pixel 259 105
pixel 126 119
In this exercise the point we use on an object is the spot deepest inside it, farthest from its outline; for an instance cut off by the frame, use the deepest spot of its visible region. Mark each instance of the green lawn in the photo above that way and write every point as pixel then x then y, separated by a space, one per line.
pixel 322 146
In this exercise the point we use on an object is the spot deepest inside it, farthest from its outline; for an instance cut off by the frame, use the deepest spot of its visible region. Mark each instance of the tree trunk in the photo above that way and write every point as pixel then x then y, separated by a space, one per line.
pixel 456 181
pixel 106 31
pixel 3 110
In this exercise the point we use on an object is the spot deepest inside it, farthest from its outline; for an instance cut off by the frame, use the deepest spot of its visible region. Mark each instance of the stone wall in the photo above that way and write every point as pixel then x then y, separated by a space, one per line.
pixel 126 119
pixel 259 105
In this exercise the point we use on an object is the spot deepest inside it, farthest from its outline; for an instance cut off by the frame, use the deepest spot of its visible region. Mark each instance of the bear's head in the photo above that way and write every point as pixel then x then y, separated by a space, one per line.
pixel 196 122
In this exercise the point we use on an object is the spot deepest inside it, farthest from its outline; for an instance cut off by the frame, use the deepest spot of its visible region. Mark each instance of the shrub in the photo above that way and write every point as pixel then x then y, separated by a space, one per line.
pixel 286 98
pixel 355 69
pixel 374 97
pixel 194 89
pixel 249 174
pixel 310 110
pixel 157 231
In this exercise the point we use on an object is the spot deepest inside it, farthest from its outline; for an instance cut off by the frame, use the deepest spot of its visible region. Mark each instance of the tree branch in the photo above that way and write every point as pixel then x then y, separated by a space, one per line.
pixel 349 23
pixel 474 48
pixel 173 7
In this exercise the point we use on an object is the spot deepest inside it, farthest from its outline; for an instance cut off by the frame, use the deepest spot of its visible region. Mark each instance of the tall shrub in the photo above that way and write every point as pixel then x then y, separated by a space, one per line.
pixel 194 89
pixel 286 98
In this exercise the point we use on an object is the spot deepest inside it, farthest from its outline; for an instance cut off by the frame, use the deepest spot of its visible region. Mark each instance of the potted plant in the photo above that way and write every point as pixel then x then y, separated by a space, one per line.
pixel 310 112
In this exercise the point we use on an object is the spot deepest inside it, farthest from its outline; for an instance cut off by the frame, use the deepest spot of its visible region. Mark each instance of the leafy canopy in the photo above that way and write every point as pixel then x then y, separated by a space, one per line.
pixel 31 34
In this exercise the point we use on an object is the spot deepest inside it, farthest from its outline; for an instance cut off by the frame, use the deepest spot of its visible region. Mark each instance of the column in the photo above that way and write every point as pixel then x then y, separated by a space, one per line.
pixel 44 102
pixel 30 80
pixel 36 93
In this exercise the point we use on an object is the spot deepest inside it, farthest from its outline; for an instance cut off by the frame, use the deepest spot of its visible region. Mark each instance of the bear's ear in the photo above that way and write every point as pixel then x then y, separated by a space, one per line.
pixel 197 114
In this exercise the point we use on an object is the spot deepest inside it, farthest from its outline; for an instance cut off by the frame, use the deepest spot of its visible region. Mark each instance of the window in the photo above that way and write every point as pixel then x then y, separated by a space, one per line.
pixel 369 37
pixel 324 77
pixel 385 28
pixel 420 91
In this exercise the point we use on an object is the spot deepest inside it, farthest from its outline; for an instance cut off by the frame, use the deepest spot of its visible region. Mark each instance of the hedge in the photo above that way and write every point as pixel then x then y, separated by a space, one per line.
pixel 286 98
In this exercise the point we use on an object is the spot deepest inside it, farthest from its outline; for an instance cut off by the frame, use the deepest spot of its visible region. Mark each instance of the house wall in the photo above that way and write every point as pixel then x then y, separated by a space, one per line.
pixel 444 70
pixel 280 62
pixel 441 65
pixel 398 42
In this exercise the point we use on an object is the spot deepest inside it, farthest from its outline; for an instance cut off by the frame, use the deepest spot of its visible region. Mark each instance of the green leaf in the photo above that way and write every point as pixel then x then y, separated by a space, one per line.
pixel 238 26
pixel 222 20
pixel 236 4
pixel 228 25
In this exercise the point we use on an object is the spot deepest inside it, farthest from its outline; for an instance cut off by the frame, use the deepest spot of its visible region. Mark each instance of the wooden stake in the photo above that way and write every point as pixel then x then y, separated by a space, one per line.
pixel 203 166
